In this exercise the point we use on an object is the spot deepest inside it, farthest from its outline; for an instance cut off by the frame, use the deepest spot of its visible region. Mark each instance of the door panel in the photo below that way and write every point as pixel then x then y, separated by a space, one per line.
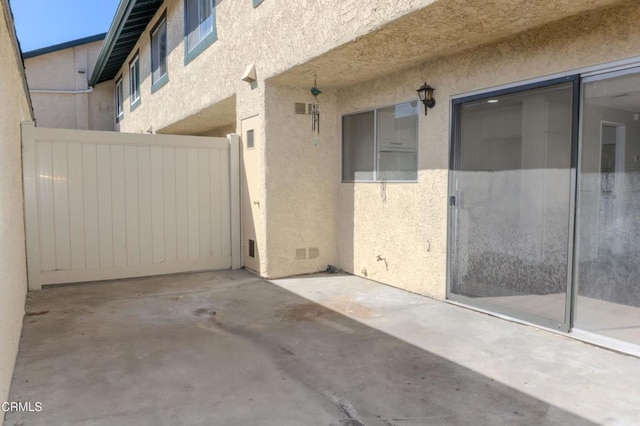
pixel 251 197
pixel 608 296
pixel 512 202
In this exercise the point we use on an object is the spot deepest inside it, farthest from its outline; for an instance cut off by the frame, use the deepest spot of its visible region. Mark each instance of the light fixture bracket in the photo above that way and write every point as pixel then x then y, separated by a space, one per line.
pixel 425 92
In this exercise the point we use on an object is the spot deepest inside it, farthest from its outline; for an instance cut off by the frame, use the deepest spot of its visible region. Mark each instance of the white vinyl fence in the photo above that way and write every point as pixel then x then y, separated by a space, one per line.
pixel 108 205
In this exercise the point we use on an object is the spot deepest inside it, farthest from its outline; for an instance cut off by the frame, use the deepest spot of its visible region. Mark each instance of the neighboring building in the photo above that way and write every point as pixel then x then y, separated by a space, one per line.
pixel 478 201
pixel 15 107
pixel 58 82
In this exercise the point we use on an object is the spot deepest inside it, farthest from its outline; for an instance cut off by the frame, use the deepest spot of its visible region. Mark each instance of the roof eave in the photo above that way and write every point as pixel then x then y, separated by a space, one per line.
pixel 122 13
pixel 62 46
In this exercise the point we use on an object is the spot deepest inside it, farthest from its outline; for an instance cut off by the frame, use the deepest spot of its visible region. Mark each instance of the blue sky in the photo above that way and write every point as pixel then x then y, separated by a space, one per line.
pixel 42 23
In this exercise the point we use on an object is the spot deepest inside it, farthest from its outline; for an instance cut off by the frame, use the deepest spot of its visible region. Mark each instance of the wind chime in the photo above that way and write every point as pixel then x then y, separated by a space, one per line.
pixel 315 110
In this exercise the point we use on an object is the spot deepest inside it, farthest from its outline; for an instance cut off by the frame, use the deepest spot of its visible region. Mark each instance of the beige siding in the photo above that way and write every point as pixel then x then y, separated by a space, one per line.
pixel 68 70
pixel 14 108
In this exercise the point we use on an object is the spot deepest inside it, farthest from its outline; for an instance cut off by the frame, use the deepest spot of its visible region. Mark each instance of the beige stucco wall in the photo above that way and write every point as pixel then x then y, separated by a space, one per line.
pixel 301 184
pixel 69 70
pixel 14 108
pixel 394 233
pixel 407 226
pixel 280 35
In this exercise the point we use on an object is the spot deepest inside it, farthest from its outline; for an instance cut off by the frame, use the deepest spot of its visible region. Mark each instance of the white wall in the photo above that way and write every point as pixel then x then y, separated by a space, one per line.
pixel 14 108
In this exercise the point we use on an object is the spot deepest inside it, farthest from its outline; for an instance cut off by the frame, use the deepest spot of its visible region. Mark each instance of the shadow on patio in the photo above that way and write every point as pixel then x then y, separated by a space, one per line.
pixel 229 348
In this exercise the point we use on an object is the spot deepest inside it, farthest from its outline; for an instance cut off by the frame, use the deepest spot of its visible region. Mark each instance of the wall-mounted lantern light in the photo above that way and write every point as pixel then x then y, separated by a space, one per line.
pixel 426 96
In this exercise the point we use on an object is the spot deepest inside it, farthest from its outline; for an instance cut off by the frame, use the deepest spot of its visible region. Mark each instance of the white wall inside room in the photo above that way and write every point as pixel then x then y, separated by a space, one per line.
pixel 13 279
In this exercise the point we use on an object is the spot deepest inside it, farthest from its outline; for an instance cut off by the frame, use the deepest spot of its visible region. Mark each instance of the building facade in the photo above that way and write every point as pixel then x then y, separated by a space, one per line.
pixel 514 194
pixel 58 79
pixel 15 107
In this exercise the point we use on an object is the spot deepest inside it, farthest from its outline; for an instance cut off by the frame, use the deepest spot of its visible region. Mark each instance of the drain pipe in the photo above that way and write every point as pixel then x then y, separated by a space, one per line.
pixel 62 92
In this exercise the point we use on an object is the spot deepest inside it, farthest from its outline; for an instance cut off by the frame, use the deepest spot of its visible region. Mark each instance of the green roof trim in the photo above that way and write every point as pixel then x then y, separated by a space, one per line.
pixel 62 46
pixel 129 22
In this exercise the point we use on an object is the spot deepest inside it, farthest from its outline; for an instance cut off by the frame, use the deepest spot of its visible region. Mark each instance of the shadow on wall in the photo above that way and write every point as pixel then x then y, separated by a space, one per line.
pixel 393 184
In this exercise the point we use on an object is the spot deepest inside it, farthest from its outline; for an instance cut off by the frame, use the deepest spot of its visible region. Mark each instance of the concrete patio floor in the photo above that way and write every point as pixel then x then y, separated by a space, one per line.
pixel 227 348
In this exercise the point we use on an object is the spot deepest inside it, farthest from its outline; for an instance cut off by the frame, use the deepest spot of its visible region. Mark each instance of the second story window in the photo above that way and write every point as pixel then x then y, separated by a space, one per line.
pixel 200 28
pixel 119 102
pixel 159 74
pixel 134 81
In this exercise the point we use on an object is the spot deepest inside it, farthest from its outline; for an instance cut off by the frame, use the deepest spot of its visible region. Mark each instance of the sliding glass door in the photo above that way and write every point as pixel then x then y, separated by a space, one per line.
pixel 608 255
pixel 512 201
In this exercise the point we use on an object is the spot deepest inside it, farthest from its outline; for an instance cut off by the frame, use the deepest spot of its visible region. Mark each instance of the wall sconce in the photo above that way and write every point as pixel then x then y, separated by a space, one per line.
pixel 426 96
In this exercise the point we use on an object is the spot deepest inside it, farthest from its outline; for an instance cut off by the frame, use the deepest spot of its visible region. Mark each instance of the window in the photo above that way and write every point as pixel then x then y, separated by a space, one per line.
pixel 119 100
pixel 250 138
pixel 381 145
pixel 159 74
pixel 134 82
pixel 256 3
pixel 200 27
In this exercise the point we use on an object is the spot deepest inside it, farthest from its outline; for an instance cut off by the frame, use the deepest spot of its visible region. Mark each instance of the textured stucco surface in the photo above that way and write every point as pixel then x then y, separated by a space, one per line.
pixel 14 108
pixel 301 185
pixel 60 71
pixel 343 42
pixel 364 56
pixel 408 226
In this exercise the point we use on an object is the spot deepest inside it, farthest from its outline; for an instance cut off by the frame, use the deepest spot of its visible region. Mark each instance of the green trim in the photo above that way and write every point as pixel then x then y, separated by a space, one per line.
pixel 205 42
pixel 62 46
pixel 200 47
pixel 135 64
pixel 257 3
pixel 119 82
pixel 135 104
pixel 164 79
pixel 127 27
pixel 123 11
pixel 160 83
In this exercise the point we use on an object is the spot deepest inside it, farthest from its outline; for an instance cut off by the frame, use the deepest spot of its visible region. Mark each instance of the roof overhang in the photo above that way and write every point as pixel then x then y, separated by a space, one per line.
pixel 129 22
pixel 62 46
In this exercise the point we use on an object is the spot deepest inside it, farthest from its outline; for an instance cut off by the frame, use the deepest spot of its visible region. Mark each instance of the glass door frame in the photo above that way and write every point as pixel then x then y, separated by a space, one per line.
pixel 585 78
pixel 453 190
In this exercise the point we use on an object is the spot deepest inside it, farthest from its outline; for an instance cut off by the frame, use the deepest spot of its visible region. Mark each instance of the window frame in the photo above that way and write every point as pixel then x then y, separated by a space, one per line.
pixel 204 42
pixel 376 151
pixel 164 78
pixel 134 86
pixel 119 100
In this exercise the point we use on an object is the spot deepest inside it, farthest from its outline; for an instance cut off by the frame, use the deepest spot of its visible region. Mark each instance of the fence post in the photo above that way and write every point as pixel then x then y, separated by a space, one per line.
pixel 31 204
pixel 234 183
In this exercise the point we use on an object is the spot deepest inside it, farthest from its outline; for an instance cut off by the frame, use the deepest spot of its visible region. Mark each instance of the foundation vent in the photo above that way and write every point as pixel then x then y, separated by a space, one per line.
pixel 301 254
pixel 252 248
pixel 301 108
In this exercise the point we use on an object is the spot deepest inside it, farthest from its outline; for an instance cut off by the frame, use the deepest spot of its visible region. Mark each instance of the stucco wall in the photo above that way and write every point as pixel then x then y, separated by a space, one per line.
pixel 301 184
pixel 393 233
pixel 406 223
pixel 275 36
pixel 280 35
pixel 69 70
pixel 14 108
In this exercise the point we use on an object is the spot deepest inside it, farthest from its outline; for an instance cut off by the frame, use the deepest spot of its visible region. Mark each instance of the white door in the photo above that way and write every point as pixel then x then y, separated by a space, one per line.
pixel 251 200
